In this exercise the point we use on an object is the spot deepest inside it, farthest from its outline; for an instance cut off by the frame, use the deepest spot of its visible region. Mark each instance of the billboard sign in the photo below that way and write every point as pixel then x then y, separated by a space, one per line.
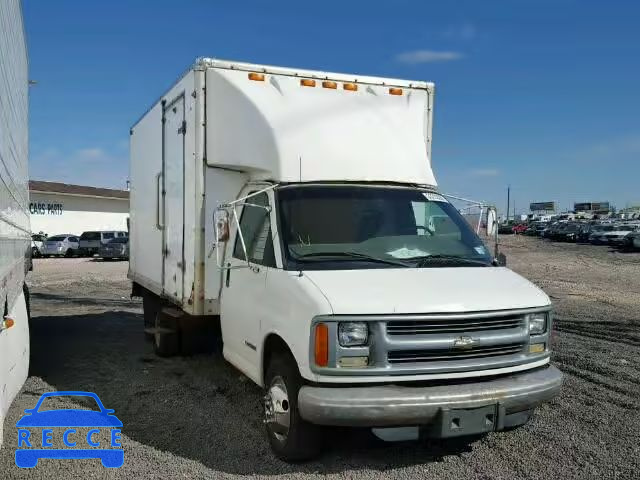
pixel 542 207
pixel 597 207
pixel 600 207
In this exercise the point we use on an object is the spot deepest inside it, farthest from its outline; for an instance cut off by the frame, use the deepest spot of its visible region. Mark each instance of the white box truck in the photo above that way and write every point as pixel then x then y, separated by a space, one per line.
pixel 296 212
pixel 15 234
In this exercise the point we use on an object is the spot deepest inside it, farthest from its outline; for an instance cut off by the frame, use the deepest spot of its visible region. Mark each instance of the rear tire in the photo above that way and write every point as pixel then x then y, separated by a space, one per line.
pixel 291 438
pixel 150 308
pixel 68 253
pixel 167 343
pixel 35 253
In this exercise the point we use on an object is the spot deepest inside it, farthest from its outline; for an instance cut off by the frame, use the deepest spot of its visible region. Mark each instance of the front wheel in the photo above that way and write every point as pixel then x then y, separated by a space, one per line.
pixel 291 438
pixel 35 253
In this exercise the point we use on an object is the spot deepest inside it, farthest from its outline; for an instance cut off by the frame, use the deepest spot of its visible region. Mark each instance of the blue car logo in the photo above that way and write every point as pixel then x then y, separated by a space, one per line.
pixel 63 425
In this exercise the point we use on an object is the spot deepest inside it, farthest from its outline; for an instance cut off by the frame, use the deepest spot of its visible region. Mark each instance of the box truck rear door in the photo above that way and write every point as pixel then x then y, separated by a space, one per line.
pixel 173 198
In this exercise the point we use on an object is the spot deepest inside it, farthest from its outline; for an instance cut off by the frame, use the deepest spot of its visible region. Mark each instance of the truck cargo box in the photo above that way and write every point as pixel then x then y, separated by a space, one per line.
pixel 224 123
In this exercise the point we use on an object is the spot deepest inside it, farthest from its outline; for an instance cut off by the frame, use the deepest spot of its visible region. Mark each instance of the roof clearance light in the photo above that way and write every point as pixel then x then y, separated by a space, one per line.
pixel 352 87
pixel 395 91
pixel 258 77
pixel 307 82
pixel 329 84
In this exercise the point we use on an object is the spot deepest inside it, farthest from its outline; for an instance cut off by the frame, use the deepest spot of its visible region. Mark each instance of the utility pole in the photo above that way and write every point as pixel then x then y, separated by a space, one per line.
pixel 508 200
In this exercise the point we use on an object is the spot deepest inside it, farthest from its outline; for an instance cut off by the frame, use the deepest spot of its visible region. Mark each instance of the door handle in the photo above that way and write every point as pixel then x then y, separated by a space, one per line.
pixel 228 274
pixel 159 202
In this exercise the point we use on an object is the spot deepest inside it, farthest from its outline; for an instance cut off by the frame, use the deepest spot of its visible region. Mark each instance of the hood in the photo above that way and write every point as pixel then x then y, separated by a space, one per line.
pixel 426 290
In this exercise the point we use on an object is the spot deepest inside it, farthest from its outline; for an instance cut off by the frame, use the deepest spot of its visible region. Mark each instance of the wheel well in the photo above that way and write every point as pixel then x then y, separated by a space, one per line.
pixel 274 345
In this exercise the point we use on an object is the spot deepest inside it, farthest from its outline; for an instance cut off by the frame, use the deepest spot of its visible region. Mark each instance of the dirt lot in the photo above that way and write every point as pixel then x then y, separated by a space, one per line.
pixel 197 417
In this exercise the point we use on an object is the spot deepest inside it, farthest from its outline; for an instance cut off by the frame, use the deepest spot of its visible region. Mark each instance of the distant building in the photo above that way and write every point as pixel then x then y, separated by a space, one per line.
pixel 63 208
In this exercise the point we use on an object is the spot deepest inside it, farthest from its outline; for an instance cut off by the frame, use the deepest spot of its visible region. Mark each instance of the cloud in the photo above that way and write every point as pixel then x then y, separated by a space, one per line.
pixel 90 153
pixel 427 56
pixel 484 172
pixel 464 32
pixel 93 166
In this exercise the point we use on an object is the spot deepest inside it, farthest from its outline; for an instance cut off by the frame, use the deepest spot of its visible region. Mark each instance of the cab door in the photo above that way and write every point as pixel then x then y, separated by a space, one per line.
pixel 244 283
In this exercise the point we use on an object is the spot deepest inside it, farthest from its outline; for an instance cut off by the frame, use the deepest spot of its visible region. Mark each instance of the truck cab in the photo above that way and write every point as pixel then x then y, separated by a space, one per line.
pixel 377 305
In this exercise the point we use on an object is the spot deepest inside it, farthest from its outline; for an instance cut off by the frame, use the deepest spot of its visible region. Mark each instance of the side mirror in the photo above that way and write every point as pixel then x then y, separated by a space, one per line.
pixel 221 220
pixel 492 221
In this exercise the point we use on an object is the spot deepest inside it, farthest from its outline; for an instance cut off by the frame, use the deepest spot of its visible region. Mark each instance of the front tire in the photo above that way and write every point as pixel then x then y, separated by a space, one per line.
pixel 292 439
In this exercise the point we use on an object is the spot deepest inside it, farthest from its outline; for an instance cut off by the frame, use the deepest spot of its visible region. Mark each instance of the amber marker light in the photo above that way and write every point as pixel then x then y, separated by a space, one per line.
pixel 322 345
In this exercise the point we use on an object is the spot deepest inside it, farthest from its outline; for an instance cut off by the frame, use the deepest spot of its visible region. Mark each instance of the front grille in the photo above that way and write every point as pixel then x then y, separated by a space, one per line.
pixel 413 356
pixel 454 325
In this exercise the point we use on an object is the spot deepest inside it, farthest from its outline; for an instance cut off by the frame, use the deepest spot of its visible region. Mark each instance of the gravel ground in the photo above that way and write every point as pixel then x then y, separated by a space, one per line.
pixel 199 418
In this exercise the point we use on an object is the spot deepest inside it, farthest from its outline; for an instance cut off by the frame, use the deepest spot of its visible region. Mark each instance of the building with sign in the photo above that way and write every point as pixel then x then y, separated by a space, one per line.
pixel 57 208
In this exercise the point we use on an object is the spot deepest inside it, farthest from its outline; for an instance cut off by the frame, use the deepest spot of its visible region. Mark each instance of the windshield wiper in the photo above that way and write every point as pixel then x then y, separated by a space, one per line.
pixel 423 260
pixel 349 256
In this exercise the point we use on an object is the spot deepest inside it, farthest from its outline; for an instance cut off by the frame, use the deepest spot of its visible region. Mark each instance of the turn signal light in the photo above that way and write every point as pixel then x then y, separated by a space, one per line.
pixel 258 77
pixel 7 323
pixel 322 345
pixel 395 91
pixel 536 348
pixel 352 87
pixel 329 84
pixel 307 82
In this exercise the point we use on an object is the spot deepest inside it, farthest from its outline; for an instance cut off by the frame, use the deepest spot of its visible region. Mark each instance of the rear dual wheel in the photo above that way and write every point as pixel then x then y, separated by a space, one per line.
pixel 165 336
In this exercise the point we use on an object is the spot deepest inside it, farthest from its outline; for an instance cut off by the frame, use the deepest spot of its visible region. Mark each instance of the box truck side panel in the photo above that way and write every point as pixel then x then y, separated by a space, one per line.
pixel 221 186
pixel 145 204
pixel 164 166
pixel 278 129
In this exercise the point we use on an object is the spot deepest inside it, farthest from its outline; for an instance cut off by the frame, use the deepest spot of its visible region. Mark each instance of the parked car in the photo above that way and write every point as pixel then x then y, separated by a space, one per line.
pixel 569 233
pixel 598 236
pixel 617 236
pixel 61 245
pixel 535 229
pixel 519 229
pixel 90 242
pixel 505 228
pixel 37 243
pixel 115 248
pixel 632 241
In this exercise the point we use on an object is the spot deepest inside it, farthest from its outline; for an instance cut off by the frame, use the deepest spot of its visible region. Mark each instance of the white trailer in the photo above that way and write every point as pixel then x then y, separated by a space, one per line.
pixel 15 238
pixel 297 212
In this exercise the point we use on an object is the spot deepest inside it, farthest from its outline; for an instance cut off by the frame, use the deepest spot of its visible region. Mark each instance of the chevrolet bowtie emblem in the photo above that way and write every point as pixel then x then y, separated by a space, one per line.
pixel 464 343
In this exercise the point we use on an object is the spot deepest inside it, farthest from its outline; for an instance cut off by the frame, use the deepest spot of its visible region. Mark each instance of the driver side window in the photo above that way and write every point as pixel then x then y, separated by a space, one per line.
pixel 256 231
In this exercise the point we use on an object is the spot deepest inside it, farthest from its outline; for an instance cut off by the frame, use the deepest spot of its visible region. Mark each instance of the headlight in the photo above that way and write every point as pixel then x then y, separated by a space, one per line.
pixel 353 334
pixel 537 323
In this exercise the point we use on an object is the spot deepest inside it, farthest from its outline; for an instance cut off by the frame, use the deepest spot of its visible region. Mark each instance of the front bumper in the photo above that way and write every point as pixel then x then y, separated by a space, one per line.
pixel 513 396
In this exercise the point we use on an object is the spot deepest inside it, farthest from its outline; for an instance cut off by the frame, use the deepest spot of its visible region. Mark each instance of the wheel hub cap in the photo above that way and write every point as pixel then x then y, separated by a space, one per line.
pixel 277 409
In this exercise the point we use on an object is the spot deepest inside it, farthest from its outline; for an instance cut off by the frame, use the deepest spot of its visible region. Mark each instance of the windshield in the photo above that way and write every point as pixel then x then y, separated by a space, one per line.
pixel 90 236
pixel 348 227
pixel 57 238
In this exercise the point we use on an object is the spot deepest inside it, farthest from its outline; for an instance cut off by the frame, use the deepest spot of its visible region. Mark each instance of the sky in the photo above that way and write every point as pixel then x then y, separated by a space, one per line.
pixel 543 96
